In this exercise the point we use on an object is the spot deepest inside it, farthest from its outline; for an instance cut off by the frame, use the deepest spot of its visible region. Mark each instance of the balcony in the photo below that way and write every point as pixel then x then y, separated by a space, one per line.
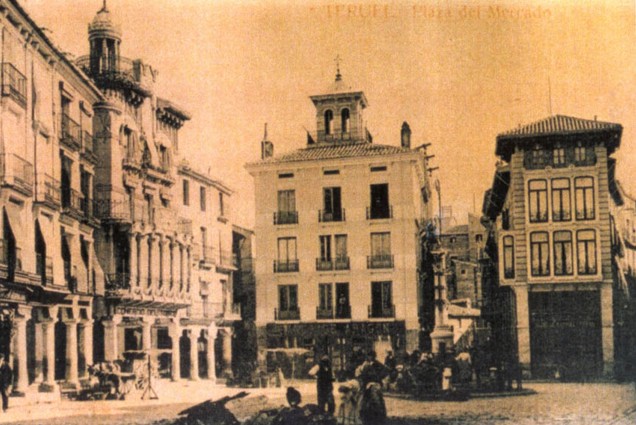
pixel 14 84
pixel 323 264
pixel 287 314
pixel 47 191
pixel 17 173
pixel 10 258
pixel 381 312
pixel 72 202
pixel 379 213
pixel 88 146
pixel 332 216
pixel 342 263
pixel 113 209
pixel 207 255
pixel 117 282
pixel 380 261
pixel 184 226
pixel 286 217
pixel 343 311
pixel 87 207
pixel 44 268
pixel 324 314
pixel 286 266
pixel 71 133
pixel 164 218
pixel 226 260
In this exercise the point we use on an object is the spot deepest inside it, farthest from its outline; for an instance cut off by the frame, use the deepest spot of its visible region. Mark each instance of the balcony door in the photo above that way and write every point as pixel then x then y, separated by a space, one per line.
pixel 343 308
pixel 40 253
pixel 380 201
pixel 332 206
pixel 66 181
pixel 381 299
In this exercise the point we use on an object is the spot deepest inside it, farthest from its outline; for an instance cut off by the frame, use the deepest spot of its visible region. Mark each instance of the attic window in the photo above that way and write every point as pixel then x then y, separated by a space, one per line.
pixel 286 175
pixel 328 121
pixel 331 172
pixel 378 168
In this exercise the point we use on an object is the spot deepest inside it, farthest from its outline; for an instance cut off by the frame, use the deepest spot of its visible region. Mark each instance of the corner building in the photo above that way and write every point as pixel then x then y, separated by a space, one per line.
pixel 337 237
pixel 549 219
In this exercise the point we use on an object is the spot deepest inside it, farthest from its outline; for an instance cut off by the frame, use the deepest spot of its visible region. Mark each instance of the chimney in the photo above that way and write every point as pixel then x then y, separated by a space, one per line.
pixel 267 147
pixel 406 135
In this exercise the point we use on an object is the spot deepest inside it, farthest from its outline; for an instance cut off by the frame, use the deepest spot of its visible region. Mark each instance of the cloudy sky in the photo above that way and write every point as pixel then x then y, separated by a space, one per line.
pixel 458 74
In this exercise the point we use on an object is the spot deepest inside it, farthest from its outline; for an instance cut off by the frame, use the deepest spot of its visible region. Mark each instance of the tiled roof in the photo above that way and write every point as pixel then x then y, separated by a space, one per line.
pixel 335 151
pixel 457 229
pixel 560 124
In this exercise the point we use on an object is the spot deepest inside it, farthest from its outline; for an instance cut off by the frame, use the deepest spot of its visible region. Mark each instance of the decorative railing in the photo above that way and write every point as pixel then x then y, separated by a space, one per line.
pixel 72 201
pixel 380 261
pixel 13 84
pixel 117 282
pixel 113 209
pixel 287 314
pixel 324 313
pixel 17 172
pixel 343 311
pixel 184 226
pixel 286 217
pixel 381 312
pixel 88 144
pixel 542 158
pixel 71 133
pixel 44 268
pixel 342 263
pixel 226 258
pixel 378 213
pixel 207 254
pixel 286 266
pixel 323 264
pixel 48 190
pixel 330 216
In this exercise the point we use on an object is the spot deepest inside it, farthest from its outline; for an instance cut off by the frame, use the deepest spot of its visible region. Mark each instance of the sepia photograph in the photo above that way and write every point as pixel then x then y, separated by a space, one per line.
pixel 278 212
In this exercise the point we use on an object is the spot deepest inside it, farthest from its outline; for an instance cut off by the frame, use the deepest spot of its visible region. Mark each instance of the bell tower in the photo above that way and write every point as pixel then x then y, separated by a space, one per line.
pixel 339 113
pixel 105 40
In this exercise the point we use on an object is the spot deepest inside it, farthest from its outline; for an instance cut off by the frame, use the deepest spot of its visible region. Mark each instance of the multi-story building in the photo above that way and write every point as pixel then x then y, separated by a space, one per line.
pixel 47 171
pixel 337 224
pixel 549 213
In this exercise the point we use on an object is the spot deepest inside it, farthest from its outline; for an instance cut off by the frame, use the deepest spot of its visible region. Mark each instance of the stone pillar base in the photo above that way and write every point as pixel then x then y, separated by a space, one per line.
pixel 442 334
pixel 18 394
pixel 47 388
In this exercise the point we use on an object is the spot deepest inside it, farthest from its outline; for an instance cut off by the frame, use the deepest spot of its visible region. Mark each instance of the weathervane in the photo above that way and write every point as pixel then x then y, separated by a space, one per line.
pixel 338 75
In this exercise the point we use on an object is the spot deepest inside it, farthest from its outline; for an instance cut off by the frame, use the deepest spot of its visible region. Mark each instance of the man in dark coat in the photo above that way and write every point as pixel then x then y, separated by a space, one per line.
pixel 6 380
pixel 324 378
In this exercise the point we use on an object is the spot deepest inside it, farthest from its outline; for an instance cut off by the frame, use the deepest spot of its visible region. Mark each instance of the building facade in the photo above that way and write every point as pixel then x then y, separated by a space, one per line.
pixel 549 216
pixel 337 226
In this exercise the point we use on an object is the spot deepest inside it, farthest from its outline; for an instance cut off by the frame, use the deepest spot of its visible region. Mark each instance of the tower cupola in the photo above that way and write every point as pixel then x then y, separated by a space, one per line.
pixel 104 37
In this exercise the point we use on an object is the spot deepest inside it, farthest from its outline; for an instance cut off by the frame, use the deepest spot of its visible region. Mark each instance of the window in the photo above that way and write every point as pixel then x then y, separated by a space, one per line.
pixel 586 251
pixel 561 209
pixel 558 157
pixel 286 176
pixel 563 253
pixel 149 216
pixel 202 198
pixel 343 309
pixel 380 257
pixel 332 207
pixel 221 205
pixel 379 202
pixel 539 252
pixel 286 208
pixel 325 248
pixel 538 200
pixel 345 118
pixel 287 259
pixel 579 154
pixel 288 298
pixel 204 244
pixel 186 192
pixel 381 299
pixel 331 172
pixel 328 121
pixel 584 193
pixel 508 257
pixel 479 238
pixel 325 296
pixel 378 168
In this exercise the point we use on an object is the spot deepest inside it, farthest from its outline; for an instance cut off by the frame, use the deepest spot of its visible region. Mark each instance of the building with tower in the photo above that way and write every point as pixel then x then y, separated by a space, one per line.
pixel 337 225
pixel 553 285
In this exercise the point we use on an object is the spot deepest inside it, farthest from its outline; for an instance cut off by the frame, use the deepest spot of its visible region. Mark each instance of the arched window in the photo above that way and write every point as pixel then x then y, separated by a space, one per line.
pixel 328 121
pixel 508 257
pixel 344 122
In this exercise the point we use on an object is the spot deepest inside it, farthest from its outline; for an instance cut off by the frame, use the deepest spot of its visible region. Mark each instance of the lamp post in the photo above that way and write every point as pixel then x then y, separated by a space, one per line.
pixel 438 188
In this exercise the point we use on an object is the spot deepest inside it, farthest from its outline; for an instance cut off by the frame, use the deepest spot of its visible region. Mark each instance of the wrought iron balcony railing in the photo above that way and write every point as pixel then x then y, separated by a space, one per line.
pixel 343 311
pixel 88 145
pixel 72 202
pixel 286 217
pixel 292 314
pixel 286 266
pixel 381 311
pixel 71 133
pixel 324 313
pixel 117 282
pixel 48 190
pixel 44 268
pixel 330 216
pixel 381 212
pixel 380 261
pixel 324 264
pixel 13 84
pixel 342 263
pixel 17 172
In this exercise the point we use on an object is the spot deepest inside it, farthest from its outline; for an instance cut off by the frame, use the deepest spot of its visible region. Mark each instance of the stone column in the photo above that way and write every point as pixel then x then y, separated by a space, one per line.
pixel 146 336
pixel 72 376
pixel 175 266
pixel 111 346
pixel 48 360
pixel 182 274
pixel 166 266
pixel 134 278
pixel 143 262
pixel 227 352
pixel 523 328
pixel 175 334
pixel 194 355
pixel 211 358
pixel 87 346
pixel 39 351
pixel 20 370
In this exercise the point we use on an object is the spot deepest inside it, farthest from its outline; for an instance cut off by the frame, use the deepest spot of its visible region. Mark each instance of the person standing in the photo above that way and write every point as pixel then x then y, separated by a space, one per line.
pixel 6 380
pixel 324 378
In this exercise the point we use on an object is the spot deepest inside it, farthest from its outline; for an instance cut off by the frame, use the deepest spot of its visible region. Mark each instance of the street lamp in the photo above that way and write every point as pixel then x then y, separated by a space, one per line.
pixel 438 188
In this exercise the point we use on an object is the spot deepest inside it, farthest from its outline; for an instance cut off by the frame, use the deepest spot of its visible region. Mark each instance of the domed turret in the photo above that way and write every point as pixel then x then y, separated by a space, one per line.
pixel 104 37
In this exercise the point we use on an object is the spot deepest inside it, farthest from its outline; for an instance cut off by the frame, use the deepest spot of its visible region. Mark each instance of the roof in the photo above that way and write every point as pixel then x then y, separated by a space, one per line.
pixel 455 230
pixel 559 125
pixel 459 311
pixel 335 151
pixel 173 109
